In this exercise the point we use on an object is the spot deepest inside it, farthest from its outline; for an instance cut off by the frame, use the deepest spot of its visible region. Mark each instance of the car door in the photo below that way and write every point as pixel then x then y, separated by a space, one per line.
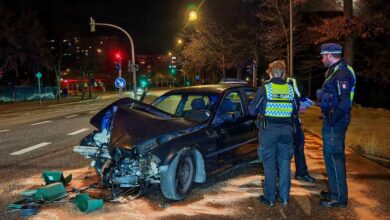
pixel 234 126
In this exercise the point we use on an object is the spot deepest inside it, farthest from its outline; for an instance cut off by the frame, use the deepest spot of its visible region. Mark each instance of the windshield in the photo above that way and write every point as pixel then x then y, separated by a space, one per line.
pixel 193 106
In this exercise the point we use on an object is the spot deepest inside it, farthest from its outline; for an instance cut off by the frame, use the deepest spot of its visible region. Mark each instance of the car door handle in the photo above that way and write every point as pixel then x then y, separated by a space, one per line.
pixel 212 134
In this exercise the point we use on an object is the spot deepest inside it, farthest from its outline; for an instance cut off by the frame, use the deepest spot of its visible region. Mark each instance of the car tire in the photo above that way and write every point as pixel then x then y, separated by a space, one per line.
pixel 176 182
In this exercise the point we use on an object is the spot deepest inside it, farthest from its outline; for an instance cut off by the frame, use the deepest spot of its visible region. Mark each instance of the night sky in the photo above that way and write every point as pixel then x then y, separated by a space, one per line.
pixel 153 24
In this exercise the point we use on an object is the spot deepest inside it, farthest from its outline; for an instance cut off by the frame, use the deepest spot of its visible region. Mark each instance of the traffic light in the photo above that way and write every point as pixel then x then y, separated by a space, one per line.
pixel 118 56
pixel 144 81
pixel 172 69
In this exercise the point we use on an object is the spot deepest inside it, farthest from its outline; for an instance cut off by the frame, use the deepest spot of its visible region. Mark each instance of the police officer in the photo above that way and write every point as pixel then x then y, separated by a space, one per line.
pixel 301 172
pixel 335 99
pixel 275 104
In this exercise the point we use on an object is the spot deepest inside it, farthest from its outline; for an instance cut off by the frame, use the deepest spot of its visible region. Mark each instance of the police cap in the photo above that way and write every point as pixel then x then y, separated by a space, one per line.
pixel 331 48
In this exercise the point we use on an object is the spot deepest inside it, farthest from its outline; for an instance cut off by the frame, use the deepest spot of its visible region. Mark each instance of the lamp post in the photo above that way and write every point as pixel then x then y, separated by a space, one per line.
pixel 93 24
pixel 185 76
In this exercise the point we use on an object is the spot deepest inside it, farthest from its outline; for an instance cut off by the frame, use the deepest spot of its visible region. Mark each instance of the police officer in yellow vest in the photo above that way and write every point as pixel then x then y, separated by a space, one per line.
pixel 275 104
pixel 335 99
pixel 301 171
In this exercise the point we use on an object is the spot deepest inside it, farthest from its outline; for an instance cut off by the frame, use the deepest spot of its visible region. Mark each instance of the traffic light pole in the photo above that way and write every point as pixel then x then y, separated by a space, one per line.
pixel 93 24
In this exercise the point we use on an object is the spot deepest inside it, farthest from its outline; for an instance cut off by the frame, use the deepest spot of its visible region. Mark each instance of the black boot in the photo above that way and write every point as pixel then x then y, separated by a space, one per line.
pixel 333 203
pixel 306 178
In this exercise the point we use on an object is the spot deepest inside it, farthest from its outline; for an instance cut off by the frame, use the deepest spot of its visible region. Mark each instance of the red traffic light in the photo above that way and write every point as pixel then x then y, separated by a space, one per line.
pixel 118 55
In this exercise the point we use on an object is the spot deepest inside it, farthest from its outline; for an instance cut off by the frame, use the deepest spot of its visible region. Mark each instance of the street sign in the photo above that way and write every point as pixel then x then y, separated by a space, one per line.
pixel 120 83
pixel 39 75
pixel 117 65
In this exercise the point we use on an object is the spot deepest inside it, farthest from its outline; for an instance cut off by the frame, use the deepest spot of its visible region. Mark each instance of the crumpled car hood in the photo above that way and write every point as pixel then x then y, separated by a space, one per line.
pixel 133 126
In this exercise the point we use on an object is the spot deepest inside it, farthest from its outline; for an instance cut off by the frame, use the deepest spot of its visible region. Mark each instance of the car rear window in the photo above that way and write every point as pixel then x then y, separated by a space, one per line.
pixel 169 104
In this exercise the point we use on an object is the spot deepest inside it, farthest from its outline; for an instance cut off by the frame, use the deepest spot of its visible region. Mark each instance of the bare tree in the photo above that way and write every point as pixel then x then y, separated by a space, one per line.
pixel 22 44
pixel 274 14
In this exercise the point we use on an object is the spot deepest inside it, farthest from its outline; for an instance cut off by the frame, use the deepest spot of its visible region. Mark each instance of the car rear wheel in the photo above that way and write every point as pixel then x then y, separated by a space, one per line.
pixel 176 182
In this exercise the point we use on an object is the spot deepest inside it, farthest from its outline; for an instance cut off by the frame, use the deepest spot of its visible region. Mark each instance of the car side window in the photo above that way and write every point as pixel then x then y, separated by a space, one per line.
pixel 232 103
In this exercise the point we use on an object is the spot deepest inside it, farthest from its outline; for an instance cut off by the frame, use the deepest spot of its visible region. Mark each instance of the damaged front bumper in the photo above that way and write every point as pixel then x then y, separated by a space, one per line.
pixel 118 168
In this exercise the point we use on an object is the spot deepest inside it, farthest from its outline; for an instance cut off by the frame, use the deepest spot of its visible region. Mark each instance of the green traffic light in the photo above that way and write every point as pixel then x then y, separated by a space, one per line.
pixel 173 71
pixel 144 83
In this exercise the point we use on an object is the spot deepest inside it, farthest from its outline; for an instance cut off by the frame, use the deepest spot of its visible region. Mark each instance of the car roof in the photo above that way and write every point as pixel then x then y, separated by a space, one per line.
pixel 213 88
pixel 233 81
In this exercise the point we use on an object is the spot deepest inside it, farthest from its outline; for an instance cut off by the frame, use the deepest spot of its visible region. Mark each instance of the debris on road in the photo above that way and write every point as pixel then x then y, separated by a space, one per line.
pixel 32 199
pixel 86 204
pixel 55 176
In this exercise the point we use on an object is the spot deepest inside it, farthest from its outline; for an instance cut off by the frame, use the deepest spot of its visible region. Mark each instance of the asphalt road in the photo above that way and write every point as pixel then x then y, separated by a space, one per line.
pixel 41 139
pixel 33 139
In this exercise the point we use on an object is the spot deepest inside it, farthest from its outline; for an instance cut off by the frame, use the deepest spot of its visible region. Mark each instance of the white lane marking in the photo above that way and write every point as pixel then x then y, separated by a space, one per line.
pixel 30 148
pixel 4 130
pixel 91 112
pixel 78 131
pixel 71 116
pixel 43 122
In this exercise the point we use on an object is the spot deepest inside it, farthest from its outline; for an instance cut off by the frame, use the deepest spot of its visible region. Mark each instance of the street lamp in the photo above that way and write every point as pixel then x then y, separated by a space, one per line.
pixel 179 41
pixel 193 15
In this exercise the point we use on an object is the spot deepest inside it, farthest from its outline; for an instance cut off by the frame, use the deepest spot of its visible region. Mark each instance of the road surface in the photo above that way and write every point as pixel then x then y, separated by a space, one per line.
pixel 37 139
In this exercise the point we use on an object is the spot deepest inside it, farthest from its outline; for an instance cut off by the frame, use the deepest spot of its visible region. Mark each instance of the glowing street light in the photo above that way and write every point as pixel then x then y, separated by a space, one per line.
pixel 179 41
pixel 193 15
pixel 169 53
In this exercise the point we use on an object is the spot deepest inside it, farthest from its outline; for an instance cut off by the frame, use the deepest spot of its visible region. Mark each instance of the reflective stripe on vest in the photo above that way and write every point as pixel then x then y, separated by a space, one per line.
pixel 352 72
pixel 279 102
pixel 295 86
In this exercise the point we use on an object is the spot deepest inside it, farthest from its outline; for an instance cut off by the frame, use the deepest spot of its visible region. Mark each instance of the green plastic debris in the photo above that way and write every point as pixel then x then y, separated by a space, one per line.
pixel 28 193
pixel 55 176
pixel 86 204
pixel 51 192
pixel 29 201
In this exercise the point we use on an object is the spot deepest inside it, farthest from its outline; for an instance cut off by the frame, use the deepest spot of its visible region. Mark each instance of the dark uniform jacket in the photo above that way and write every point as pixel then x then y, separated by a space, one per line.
pixel 335 98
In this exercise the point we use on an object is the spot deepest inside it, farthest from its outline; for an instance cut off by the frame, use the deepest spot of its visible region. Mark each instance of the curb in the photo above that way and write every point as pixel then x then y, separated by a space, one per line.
pixel 379 160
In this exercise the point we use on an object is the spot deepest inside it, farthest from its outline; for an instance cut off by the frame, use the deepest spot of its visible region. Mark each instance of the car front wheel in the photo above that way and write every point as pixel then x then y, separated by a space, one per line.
pixel 177 181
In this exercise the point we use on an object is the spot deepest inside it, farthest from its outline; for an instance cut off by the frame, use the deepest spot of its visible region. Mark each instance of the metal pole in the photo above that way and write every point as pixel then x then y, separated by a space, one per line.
pixel 132 52
pixel 39 89
pixel 291 41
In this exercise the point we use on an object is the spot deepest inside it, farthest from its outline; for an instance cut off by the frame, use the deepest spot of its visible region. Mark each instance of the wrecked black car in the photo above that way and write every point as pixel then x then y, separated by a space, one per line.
pixel 178 139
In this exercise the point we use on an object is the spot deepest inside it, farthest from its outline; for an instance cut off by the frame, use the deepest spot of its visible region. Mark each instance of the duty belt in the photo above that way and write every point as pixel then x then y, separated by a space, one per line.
pixel 261 121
